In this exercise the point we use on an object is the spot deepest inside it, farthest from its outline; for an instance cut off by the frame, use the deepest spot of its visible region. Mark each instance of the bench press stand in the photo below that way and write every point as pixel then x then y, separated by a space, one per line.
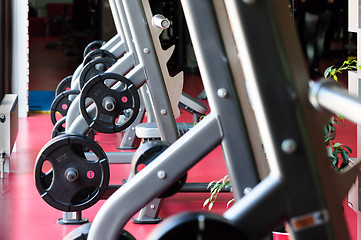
pixel 125 50
pixel 145 66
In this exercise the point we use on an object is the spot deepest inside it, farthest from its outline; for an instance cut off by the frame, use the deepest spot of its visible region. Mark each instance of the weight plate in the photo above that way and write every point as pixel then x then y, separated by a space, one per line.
pixel 92 46
pixel 94 68
pixel 64 85
pixel 98 54
pixel 61 104
pixel 82 232
pixel 196 226
pixel 110 103
pixel 145 154
pixel 65 178
pixel 59 129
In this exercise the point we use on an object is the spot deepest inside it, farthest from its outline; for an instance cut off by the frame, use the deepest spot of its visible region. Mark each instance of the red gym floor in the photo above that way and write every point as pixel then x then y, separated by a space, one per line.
pixel 24 215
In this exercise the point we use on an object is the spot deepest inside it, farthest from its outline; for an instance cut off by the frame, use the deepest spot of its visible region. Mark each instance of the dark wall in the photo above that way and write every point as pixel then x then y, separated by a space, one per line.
pixel 5 47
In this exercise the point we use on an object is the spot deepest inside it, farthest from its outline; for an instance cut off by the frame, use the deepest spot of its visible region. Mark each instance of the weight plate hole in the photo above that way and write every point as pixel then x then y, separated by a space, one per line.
pixel 58 115
pixel 120 86
pixel 91 156
pixel 90 101
pixel 46 174
pixel 79 150
pixel 124 116
pixel 140 167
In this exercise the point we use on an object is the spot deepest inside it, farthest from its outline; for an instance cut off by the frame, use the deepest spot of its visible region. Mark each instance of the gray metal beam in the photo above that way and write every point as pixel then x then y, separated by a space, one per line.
pixel 184 153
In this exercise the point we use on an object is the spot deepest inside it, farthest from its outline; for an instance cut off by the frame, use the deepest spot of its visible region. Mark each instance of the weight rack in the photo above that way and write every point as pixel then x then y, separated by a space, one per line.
pixel 75 123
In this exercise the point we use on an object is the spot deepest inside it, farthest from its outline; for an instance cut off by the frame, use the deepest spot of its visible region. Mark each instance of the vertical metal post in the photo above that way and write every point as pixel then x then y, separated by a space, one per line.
pixel 2 48
pixel 147 56
pixel 354 88
pixel 222 95
pixel 72 218
pixel 2 164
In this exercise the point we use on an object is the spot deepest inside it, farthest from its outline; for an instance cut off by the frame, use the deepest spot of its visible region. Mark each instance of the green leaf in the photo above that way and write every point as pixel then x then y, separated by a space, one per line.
pixel 327 71
pixel 210 206
pixel 348 148
pixel 344 156
pixel 334 162
pixel 205 203
pixel 336 145
pixel 215 186
pixel 225 179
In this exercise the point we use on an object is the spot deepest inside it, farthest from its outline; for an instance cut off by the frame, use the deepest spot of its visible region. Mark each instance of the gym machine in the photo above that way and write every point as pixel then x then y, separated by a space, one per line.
pixel 61 148
pixel 8 129
pixel 258 37
pixel 174 85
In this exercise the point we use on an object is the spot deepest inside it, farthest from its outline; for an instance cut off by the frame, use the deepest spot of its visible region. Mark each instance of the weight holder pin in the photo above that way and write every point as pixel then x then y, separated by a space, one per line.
pixel 109 104
pixel 71 174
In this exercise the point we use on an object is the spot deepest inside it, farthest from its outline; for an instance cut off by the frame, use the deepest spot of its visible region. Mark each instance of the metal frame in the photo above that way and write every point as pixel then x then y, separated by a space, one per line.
pixel 298 186
pixel 145 66
pixel 137 75
pixel 130 59
pixel 187 151
pixel 139 61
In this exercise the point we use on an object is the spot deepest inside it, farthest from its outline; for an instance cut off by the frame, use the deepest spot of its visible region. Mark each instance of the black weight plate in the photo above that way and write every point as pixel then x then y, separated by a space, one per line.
pixel 67 152
pixel 96 54
pixel 193 226
pixel 59 129
pixel 175 188
pixel 61 104
pixel 92 46
pixel 64 85
pixel 94 68
pixel 82 232
pixel 125 97
pixel 145 154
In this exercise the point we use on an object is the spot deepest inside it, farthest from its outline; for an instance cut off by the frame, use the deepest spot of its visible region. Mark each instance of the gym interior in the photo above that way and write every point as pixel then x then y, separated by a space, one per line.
pixel 148 119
